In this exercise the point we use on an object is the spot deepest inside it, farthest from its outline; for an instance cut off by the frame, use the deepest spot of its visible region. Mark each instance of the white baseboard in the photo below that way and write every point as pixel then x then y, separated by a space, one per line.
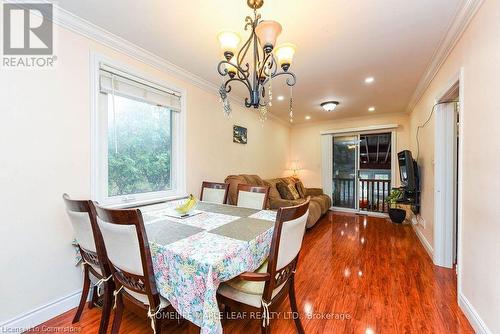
pixel 41 314
pixel 424 242
pixel 474 319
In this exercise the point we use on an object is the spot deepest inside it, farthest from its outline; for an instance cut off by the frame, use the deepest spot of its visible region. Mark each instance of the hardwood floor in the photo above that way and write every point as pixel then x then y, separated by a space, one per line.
pixel 366 275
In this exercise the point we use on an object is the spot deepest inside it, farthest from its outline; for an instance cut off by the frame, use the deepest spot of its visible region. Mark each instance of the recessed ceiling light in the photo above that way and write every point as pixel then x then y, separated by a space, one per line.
pixel 281 98
pixel 371 109
pixel 308 117
pixel 369 80
pixel 329 105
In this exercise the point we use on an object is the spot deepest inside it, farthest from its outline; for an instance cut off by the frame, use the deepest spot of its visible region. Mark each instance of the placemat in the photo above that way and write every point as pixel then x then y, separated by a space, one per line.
pixel 224 209
pixel 165 232
pixel 244 229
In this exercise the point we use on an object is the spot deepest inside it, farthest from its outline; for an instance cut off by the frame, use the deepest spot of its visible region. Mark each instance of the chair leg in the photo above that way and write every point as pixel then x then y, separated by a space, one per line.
pixel 118 314
pixel 95 297
pixel 85 294
pixel 158 323
pixel 265 329
pixel 293 305
pixel 106 308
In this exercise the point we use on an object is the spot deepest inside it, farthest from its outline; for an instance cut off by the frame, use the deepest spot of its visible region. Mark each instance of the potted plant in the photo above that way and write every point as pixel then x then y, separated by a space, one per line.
pixel 396 214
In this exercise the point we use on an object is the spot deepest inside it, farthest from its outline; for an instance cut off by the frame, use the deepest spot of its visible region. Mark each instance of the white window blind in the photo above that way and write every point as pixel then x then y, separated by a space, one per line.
pixel 114 81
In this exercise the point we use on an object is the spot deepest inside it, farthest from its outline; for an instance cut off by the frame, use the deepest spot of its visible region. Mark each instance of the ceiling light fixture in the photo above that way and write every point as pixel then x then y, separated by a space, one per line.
pixel 256 71
pixel 369 80
pixel 281 98
pixel 330 105
pixel 371 109
pixel 308 118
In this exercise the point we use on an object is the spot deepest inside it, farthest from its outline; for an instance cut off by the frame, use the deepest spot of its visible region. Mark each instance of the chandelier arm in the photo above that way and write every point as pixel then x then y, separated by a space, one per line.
pixel 223 69
pixel 228 87
pixel 244 49
pixel 262 68
pixel 274 67
pixel 291 81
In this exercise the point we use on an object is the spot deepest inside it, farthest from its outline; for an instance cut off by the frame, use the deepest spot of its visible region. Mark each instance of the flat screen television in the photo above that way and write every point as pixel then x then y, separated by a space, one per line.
pixel 408 171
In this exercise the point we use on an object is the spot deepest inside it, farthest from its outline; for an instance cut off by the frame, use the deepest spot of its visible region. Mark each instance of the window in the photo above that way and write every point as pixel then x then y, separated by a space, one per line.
pixel 138 140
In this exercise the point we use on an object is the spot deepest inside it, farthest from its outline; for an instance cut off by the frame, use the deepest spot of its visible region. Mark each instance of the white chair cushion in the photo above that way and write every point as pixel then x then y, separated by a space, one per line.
pixel 213 195
pixel 247 292
pixel 144 298
pixel 82 229
pixel 291 237
pixel 122 246
pixel 251 200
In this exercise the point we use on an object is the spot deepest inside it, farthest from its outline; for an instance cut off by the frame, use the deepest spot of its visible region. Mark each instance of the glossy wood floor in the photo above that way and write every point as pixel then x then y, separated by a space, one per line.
pixel 366 275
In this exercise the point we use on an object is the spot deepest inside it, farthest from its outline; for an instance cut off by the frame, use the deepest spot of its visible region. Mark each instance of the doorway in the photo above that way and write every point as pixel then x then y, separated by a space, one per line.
pixel 446 178
pixel 358 170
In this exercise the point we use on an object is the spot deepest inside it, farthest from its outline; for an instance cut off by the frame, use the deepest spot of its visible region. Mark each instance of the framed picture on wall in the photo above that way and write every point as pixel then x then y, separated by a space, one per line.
pixel 239 134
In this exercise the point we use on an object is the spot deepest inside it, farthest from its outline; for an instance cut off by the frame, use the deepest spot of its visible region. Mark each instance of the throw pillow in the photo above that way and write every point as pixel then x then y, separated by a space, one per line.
pixel 284 190
pixel 293 190
pixel 300 189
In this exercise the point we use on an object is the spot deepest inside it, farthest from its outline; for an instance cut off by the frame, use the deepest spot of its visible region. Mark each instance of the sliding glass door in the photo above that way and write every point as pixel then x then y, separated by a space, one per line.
pixel 345 165
pixel 358 170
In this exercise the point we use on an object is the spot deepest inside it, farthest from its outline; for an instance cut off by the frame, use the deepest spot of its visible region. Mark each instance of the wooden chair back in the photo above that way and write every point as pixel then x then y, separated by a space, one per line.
pixel 253 197
pixel 288 233
pixel 214 192
pixel 128 251
pixel 90 243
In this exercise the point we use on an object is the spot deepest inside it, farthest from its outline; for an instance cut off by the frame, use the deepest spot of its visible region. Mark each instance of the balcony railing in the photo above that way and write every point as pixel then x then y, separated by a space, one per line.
pixel 372 194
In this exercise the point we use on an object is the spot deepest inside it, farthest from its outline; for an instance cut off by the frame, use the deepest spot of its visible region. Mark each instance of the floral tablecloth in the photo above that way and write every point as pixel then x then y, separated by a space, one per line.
pixel 192 256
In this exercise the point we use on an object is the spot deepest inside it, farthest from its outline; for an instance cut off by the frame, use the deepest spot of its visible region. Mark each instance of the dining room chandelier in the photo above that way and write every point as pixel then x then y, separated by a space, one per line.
pixel 256 73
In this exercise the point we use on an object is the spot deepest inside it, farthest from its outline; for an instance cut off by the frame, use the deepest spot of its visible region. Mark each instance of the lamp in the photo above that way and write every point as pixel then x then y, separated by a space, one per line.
pixel 295 167
pixel 284 54
pixel 254 65
pixel 229 43
pixel 330 105
pixel 268 32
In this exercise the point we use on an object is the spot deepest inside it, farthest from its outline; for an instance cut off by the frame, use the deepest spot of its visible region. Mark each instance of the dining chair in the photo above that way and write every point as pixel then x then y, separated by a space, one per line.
pixel 94 259
pixel 214 192
pixel 266 287
pixel 253 197
pixel 130 260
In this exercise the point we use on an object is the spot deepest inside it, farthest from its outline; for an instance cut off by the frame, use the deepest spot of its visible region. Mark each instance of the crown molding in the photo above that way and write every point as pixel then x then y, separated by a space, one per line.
pixel 456 29
pixel 76 24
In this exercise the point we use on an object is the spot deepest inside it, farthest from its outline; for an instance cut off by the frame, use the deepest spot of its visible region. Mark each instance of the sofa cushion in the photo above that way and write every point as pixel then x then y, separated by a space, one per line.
pixel 314 214
pixel 323 201
pixel 284 190
pixel 293 190
pixel 300 188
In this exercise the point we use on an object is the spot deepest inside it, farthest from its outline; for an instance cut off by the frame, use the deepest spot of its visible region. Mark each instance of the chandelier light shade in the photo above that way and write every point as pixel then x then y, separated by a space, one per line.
pixel 254 65
pixel 329 105
pixel 285 53
pixel 229 42
pixel 268 32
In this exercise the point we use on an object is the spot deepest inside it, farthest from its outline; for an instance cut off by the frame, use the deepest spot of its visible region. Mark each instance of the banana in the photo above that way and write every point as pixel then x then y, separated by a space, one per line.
pixel 188 206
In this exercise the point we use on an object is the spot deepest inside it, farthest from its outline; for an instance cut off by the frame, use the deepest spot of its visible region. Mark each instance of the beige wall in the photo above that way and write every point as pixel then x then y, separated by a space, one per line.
pixel 45 151
pixel 306 141
pixel 478 53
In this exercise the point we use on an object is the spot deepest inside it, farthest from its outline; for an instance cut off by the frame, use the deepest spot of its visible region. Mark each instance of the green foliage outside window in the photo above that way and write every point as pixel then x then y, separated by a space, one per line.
pixel 139 147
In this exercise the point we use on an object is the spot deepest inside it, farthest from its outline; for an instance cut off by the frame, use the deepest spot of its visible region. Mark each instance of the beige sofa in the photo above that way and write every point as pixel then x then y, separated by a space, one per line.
pixel 320 203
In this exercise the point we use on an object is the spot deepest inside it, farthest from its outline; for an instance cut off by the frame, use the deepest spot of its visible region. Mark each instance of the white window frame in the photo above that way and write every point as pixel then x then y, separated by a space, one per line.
pixel 99 143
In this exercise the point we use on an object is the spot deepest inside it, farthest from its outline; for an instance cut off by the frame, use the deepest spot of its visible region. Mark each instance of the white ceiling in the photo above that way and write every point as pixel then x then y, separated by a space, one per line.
pixel 339 43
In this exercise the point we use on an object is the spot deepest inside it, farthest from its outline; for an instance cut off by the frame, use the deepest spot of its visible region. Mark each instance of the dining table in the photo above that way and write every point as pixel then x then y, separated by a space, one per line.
pixel 193 255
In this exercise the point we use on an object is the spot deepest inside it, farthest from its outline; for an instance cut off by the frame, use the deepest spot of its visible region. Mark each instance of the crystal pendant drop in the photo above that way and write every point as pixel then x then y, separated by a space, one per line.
pixel 263 114
pixel 226 105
